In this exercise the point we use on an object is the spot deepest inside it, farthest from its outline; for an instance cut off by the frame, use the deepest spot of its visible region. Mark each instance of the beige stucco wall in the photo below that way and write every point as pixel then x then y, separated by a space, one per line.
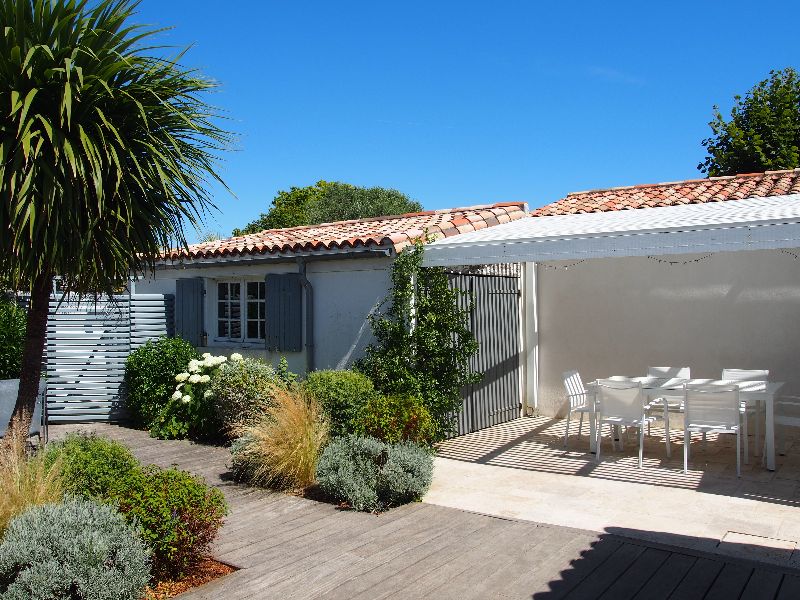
pixel 618 316
pixel 346 291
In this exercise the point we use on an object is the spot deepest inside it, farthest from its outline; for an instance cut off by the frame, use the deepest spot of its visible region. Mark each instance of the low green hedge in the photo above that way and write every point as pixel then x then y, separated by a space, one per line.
pixel 178 514
pixel 371 475
pixel 343 396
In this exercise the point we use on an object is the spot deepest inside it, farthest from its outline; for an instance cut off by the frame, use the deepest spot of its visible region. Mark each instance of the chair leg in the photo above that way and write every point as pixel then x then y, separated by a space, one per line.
pixel 666 432
pixel 580 425
pixel 641 444
pixel 738 453
pixel 744 435
pixel 598 439
pixel 566 431
pixel 686 438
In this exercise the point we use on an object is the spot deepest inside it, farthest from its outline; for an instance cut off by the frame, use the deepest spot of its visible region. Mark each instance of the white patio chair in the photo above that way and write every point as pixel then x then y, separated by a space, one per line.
pixel 670 403
pixel 577 400
pixel 783 419
pixel 757 375
pixel 621 403
pixel 711 408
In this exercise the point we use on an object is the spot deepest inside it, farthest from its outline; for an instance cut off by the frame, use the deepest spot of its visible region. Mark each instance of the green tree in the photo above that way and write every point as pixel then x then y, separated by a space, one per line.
pixel 763 133
pixel 342 202
pixel 105 153
pixel 423 342
pixel 325 202
pixel 288 209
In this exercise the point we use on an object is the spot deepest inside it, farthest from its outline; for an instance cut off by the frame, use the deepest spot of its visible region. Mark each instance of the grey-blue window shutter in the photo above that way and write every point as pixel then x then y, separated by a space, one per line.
pixel 189 310
pixel 284 310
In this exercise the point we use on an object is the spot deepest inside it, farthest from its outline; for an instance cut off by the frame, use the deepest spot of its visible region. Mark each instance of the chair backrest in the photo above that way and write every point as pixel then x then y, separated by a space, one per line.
pixel 745 374
pixel 670 372
pixel 576 391
pixel 621 399
pixel 711 405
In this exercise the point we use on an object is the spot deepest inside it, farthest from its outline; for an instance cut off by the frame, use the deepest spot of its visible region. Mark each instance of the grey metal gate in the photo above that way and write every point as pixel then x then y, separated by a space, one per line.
pixel 495 322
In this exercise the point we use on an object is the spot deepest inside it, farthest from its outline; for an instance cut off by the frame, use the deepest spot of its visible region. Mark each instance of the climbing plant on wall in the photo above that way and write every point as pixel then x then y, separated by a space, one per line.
pixel 423 342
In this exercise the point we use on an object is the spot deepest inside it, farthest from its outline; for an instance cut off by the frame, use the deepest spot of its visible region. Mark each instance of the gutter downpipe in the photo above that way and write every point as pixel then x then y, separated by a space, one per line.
pixel 309 293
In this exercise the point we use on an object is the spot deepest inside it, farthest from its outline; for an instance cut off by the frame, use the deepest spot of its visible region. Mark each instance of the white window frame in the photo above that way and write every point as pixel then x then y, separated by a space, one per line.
pixel 243 341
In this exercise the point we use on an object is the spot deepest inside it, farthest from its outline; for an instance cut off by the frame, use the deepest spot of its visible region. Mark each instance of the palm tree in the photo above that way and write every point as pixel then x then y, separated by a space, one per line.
pixel 106 153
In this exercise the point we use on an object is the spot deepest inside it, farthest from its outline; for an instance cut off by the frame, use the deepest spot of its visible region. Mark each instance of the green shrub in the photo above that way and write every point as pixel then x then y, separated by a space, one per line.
pixel 343 395
pixel 396 418
pixel 13 321
pixel 370 475
pixel 92 466
pixel 243 391
pixel 73 550
pixel 178 513
pixel 150 372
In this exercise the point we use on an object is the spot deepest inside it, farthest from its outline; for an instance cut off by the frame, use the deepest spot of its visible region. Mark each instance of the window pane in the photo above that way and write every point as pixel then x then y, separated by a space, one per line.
pixel 252 310
pixel 263 330
pixel 236 311
pixel 261 310
pixel 252 329
pixel 236 329
pixel 252 290
pixel 235 291
pixel 261 290
pixel 222 329
pixel 222 290
pixel 222 311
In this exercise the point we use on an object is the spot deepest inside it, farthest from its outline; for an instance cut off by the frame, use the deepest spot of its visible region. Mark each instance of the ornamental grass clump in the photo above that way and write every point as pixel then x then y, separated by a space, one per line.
pixel 25 480
pixel 75 550
pixel 282 447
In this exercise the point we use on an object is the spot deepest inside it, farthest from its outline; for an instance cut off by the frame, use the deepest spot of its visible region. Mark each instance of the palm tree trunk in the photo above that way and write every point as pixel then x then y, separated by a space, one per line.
pixel 35 335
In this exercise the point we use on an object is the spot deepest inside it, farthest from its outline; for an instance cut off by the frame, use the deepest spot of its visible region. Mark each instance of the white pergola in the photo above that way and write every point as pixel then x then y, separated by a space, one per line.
pixel 726 226
pixel 751 224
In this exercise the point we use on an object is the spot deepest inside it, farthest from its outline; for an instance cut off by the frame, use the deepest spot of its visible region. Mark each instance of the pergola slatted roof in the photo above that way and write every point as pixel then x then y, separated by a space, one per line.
pixel 748 224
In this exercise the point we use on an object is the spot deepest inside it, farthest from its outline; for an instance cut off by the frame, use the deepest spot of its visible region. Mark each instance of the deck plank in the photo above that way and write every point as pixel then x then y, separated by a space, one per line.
pixel 289 547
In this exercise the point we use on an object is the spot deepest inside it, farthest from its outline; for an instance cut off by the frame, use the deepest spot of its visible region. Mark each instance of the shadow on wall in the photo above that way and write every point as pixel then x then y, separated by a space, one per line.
pixel 620 566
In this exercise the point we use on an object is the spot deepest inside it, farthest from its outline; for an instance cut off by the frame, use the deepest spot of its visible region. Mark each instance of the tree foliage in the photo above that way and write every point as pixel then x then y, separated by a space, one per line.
pixel 423 342
pixel 105 152
pixel 325 202
pixel 763 132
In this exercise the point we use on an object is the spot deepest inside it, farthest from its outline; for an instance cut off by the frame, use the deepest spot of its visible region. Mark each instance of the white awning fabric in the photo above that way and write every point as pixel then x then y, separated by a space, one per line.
pixel 750 224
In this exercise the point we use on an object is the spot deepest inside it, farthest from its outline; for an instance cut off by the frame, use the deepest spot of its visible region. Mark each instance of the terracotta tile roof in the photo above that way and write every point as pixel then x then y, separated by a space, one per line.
pixel 694 191
pixel 393 232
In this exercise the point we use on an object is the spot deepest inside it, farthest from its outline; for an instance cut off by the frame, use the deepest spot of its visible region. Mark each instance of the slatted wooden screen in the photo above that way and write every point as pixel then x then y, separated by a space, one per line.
pixel 88 341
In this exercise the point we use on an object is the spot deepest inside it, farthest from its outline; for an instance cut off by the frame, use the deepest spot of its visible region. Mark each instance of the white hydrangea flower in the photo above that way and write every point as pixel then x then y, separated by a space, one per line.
pixel 205 378
pixel 181 377
pixel 194 366
pixel 179 386
pixel 186 399
pixel 206 354
pixel 208 394
pixel 237 357
pixel 177 395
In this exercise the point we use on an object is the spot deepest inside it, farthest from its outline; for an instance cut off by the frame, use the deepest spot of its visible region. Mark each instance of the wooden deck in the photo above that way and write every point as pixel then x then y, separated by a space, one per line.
pixel 288 547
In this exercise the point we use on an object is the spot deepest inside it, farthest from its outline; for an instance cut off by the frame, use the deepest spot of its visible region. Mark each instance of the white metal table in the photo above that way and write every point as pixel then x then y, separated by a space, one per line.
pixel 751 392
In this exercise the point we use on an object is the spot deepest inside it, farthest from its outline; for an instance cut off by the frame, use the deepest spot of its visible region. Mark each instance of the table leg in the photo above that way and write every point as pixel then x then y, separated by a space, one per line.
pixel 769 433
pixel 590 397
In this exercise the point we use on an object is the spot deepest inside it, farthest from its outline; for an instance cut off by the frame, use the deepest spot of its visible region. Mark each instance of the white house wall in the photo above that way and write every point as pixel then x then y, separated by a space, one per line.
pixel 617 316
pixel 345 291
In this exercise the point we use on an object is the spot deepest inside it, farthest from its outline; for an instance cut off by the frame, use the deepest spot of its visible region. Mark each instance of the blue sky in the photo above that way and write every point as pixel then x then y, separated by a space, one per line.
pixel 460 103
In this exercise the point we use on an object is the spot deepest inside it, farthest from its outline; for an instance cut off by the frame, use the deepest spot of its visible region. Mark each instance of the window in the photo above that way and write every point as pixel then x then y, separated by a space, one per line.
pixel 256 317
pixel 241 313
